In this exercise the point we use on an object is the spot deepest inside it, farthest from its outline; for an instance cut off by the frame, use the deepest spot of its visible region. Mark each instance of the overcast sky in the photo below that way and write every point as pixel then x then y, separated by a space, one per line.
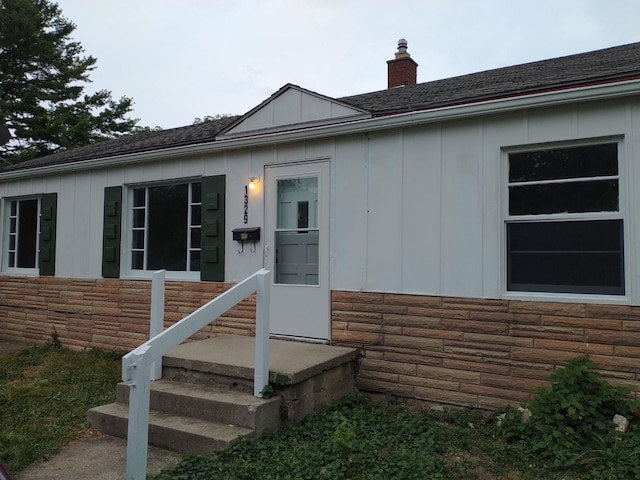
pixel 181 59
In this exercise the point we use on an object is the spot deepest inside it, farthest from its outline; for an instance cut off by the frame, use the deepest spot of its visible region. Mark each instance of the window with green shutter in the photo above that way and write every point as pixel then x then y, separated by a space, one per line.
pixel 178 227
pixel 30 235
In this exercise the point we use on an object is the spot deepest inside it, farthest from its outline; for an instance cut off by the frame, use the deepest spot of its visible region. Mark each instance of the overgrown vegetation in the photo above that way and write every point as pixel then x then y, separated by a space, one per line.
pixel 45 393
pixel 357 439
pixel 571 428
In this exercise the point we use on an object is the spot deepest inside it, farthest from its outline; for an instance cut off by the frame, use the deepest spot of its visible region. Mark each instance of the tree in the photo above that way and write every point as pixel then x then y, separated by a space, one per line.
pixel 211 118
pixel 42 77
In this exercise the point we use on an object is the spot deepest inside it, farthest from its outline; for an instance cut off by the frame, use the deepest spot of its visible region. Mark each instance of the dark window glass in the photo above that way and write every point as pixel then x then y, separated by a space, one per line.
pixel 196 196
pixel 137 260
pixel 559 163
pixel 167 242
pixel 138 240
pixel 138 218
pixel 568 257
pixel 13 224
pixel 195 238
pixel 27 233
pixel 303 214
pixel 195 260
pixel 12 242
pixel 567 197
pixel 139 197
pixel 195 215
pixel 14 208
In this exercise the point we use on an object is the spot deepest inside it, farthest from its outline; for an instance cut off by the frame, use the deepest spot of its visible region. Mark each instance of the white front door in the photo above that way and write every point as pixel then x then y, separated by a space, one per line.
pixel 297 248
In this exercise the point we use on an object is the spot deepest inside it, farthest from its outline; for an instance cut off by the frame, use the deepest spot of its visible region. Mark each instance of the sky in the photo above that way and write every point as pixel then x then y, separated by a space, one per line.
pixel 183 59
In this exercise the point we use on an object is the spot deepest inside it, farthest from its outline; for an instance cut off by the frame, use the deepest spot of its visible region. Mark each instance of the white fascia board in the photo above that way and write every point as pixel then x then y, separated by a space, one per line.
pixel 490 107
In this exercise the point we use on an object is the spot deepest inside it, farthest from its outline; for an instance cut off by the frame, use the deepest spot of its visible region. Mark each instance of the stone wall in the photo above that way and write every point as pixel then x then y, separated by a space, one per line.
pixel 109 314
pixel 480 353
pixel 461 351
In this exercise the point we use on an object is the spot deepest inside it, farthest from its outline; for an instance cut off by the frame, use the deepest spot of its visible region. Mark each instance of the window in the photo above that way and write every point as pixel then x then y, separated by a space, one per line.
pixel 564 228
pixel 166 227
pixel 30 234
pixel 23 233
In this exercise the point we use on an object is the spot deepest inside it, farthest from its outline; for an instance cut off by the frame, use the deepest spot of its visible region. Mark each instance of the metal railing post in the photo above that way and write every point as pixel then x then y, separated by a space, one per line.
pixel 156 323
pixel 138 428
pixel 261 363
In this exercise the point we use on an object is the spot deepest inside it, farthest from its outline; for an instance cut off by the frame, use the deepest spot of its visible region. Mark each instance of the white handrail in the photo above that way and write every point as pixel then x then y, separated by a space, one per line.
pixel 136 365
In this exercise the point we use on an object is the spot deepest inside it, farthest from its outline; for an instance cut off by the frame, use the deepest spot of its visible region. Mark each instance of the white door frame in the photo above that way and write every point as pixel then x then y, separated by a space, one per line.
pixel 298 310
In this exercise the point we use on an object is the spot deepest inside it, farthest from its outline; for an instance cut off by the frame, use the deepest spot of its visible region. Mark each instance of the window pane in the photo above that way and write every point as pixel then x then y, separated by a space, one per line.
pixel 27 233
pixel 568 257
pixel 195 261
pixel 573 197
pixel 293 194
pixel 138 218
pixel 13 225
pixel 196 196
pixel 558 163
pixel 167 241
pixel 195 238
pixel 195 215
pixel 12 242
pixel 139 197
pixel 297 258
pixel 137 242
pixel 14 208
pixel 137 260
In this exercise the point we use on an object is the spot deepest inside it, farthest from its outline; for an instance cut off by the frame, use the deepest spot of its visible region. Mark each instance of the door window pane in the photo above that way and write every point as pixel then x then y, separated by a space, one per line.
pixel 296 240
pixel 291 193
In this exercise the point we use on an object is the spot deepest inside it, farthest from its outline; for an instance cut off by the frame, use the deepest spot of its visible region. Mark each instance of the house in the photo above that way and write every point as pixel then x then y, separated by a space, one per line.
pixel 469 234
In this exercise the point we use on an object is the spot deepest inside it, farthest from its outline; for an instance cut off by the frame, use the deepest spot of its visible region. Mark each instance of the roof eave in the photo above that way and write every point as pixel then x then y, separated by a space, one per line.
pixel 441 114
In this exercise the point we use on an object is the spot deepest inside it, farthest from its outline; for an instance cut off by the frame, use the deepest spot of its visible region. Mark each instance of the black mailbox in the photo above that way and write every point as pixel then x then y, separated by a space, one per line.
pixel 249 234
pixel 246 234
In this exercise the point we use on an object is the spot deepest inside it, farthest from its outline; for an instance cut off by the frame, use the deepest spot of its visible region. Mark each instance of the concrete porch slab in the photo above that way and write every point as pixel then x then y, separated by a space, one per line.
pixel 234 355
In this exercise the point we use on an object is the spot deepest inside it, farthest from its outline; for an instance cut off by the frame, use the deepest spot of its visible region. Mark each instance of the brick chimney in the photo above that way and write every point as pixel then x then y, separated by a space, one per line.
pixel 403 69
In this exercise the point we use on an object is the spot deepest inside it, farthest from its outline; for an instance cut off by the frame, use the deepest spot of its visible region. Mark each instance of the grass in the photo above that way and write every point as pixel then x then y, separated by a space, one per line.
pixel 45 393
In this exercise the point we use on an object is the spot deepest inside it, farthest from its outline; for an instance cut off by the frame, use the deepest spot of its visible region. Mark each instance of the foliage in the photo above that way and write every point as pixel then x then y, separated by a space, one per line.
pixel 45 393
pixel 42 77
pixel 357 439
pixel 571 426
pixel 211 118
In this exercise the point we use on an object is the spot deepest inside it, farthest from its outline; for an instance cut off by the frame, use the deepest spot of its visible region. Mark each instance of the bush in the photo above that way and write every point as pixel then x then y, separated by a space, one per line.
pixel 571 426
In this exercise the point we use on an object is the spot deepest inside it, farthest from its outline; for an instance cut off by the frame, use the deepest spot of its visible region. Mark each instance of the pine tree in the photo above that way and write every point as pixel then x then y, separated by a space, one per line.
pixel 42 77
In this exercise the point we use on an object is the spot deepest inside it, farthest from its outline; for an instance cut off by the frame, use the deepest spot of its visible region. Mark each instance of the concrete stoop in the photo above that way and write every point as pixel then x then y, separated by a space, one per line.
pixel 204 401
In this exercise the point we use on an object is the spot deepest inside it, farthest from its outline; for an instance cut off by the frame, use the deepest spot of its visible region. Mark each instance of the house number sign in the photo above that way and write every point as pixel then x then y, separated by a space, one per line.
pixel 246 204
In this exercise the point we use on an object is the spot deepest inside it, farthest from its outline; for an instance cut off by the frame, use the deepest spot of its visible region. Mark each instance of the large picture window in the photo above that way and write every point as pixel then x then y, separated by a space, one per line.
pixel 166 227
pixel 564 228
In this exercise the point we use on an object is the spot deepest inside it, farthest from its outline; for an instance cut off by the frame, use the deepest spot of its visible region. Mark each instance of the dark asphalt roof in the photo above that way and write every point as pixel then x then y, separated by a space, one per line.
pixel 600 66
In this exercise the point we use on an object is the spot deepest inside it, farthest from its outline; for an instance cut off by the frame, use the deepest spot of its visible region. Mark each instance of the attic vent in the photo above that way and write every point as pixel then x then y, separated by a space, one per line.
pixel 402 70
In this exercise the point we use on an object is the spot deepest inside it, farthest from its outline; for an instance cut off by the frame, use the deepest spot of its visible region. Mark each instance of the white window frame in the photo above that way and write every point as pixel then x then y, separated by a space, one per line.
pixel 127 228
pixel 621 214
pixel 6 222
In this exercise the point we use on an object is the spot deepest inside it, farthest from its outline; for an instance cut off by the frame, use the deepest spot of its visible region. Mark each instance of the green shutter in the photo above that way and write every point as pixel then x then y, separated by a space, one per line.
pixel 48 214
pixel 111 232
pixel 213 209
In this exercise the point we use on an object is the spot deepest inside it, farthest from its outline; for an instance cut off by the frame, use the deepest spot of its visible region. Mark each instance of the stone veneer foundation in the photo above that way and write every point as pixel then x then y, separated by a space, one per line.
pixel 108 314
pixel 481 353
pixel 461 351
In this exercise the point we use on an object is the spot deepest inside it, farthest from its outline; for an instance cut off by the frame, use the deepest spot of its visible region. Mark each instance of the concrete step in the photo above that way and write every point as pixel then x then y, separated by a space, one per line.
pixel 210 403
pixel 177 433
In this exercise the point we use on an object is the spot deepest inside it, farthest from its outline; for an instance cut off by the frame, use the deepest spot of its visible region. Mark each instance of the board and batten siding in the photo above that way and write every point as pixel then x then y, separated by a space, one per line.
pixel 414 210
pixel 418 210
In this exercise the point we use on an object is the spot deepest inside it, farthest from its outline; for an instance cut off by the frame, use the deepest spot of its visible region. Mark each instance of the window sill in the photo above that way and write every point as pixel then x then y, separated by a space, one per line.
pixel 567 298
pixel 169 276
pixel 21 272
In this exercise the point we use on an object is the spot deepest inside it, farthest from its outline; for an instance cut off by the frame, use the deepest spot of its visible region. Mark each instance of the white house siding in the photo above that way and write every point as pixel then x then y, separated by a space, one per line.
pixel 418 210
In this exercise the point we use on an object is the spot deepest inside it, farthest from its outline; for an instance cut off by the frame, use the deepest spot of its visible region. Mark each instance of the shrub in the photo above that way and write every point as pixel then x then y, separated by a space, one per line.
pixel 571 427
